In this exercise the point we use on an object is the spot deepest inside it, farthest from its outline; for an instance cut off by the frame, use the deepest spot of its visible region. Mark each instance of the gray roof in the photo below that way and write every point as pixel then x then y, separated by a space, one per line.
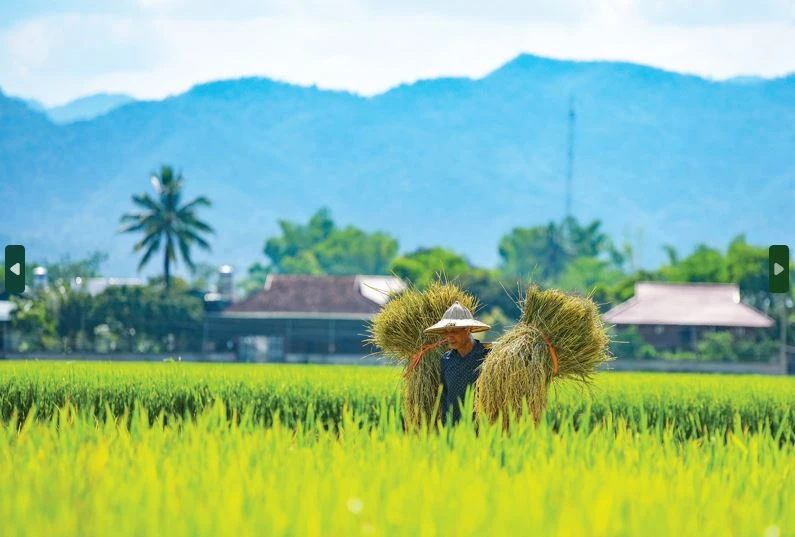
pixel 687 304
pixel 283 295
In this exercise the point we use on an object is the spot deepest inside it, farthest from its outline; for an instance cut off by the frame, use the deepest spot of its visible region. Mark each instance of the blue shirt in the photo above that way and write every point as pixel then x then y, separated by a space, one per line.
pixel 458 373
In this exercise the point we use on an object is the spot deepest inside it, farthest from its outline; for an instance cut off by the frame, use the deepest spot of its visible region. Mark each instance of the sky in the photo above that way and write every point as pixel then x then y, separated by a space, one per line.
pixel 57 50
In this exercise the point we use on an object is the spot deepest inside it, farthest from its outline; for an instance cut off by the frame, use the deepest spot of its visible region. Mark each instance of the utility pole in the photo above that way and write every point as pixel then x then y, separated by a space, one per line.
pixel 570 158
pixel 783 348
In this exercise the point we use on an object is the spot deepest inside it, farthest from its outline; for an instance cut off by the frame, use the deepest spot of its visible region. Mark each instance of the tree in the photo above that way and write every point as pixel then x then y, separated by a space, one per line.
pixel 543 252
pixel 585 273
pixel 584 241
pixel 66 269
pixel 523 252
pixel 705 264
pixel 297 238
pixel 203 275
pixel 35 320
pixel 255 279
pixel 673 256
pixel 144 319
pixel 319 247
pixel 352 251
pixel 747 267
pixel 164 222
pixel 74 317
pixel 423 265
pixel 492 292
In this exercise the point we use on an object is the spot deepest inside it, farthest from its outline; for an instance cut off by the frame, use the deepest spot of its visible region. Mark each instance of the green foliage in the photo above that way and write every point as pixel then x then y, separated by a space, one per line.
pixel 352 251
pixel 705 264
pixel 492 291
pixel 319 247
pixel 164 222
pixel 255 278
pixel 716 346
pixel 724 346
pixel 544 252
pixel 757 349
pixel 629 344
pixel 121 318
pixel 681 356
pixel 147 319
pixel 747 266
pixel 296 238
pixel 584 274
pixel 34 319
pixel 203 276
pixel 66 269
pixel 425 265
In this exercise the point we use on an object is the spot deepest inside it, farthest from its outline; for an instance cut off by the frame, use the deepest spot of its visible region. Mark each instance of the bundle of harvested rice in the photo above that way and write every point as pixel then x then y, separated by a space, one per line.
pixel 559 336
pixel 398 330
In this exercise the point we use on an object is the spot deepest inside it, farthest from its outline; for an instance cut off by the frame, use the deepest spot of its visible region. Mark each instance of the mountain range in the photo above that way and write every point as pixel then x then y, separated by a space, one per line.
pixel 659 157
pixel 81 109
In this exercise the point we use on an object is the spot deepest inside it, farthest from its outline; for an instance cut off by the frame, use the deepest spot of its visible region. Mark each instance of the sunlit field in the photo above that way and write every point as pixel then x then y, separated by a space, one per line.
pixel 192 449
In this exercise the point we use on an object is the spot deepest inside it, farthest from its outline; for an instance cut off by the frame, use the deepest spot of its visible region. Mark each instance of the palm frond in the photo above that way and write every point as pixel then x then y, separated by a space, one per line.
pixel 134 226
pixel 195 238
pixel 139 222
pixel 132 217
pixel 184 248
pixel 190 221
pixel 201 201
pixel 170 252
pixel 153 247
pixel 146 201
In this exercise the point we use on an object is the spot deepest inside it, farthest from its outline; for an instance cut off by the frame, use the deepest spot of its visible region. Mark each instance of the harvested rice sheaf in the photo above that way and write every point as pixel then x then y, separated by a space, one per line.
pixel 398 330
pixel 522 364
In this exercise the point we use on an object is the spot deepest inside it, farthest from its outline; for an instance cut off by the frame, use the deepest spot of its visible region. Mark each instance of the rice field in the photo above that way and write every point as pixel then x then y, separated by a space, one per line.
pixel 94 449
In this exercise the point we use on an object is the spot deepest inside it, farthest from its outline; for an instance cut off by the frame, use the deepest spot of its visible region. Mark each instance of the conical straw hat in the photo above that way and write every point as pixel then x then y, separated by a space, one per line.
pixel 457 316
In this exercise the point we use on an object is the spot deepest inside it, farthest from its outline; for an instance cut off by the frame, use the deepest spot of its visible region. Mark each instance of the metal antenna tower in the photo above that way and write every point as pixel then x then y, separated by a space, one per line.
pixel 570 157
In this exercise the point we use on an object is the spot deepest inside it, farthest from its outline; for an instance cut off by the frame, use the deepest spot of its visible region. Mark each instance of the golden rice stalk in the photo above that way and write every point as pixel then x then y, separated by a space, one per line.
pixel 574 328
pixel 514 370
pixel 398 332
pixel 420 389
pixel 521 365
pixel 398 329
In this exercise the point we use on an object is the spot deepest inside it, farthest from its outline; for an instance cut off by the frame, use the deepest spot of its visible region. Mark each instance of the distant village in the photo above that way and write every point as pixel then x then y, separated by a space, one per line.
pixel 312 297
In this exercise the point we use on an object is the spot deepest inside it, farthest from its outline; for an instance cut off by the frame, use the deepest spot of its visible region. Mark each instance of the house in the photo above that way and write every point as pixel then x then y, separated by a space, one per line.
pixel 294 318
pixel 6 307
pixel 673 316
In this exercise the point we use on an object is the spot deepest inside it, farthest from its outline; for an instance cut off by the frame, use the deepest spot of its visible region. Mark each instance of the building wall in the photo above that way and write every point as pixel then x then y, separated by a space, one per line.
pixel 276 339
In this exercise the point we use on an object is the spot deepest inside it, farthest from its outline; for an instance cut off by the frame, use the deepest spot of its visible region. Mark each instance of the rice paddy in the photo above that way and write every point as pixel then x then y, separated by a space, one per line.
pixel 195 449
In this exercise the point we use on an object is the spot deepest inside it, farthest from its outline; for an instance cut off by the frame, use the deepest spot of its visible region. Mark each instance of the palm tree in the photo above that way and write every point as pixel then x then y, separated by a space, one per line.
pixel 163 221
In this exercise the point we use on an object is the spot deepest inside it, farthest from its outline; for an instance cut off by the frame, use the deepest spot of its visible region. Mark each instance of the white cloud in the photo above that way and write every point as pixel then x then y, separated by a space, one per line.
pixel 353 47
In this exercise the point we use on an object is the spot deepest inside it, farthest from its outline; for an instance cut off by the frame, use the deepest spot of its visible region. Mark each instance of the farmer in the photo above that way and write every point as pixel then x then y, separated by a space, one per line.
pixel 459 365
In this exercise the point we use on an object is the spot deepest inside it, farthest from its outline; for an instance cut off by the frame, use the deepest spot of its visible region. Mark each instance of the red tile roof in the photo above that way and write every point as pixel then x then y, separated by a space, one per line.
pixel 308 295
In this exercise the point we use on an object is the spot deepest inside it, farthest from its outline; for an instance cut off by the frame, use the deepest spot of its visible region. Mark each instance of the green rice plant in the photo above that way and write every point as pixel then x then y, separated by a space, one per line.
pixel 69 475
pixel 692 405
